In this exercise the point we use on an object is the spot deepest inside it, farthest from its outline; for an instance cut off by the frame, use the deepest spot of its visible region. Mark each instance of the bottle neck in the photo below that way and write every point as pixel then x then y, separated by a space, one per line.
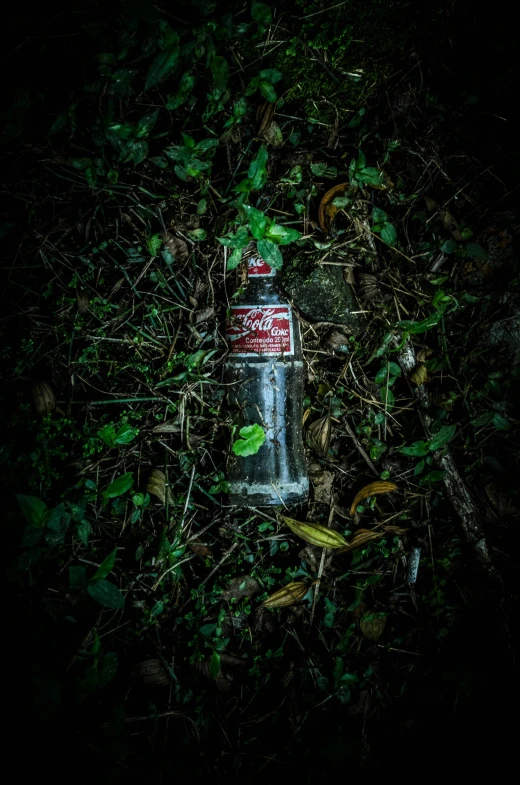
pixel 262 282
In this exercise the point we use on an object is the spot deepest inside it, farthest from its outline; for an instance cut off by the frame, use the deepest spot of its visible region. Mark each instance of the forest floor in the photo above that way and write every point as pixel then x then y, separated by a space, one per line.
pixel 143 151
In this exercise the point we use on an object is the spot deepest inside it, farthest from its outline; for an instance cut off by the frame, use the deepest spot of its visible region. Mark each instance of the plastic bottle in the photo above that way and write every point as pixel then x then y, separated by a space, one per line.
pixel 265 370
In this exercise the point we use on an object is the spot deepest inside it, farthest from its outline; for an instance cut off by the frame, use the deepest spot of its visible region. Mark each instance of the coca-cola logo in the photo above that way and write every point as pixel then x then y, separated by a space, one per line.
pixel 257 266
pixel 260 330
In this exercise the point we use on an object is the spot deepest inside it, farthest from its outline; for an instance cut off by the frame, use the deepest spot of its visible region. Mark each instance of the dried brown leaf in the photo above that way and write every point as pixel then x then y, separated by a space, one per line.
pixel 319 434
pixel 395 529
pixel 83 300
pixel 152 672
pixel 327 210
pixel 372 489
pixel 372 626
pixel 288 595
pixel 44 398
pixel 200 550
pixel 177 247
pixel 362 538
pixel 419 375
pixel 316 534
pixel 156 485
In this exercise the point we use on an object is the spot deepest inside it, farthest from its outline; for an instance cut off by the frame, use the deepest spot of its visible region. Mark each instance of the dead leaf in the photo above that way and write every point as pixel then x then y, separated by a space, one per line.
pixel 362 538
pixel 200 550
pixel 170 426
pixel 243 587
pixel 500 506
pixel 322 482
pixel 176 247
pixel 156 485
pixel 44 398
pixel 328 211
pixel 318 435
pixel 288 595
pixel 372 489
pixel 315 533
pixel 419 375
pixel 431 204
pixel 395 529
pixel 372 626
pixel 152 672
pixel 423 354
pixel 83 300
pixel 268 127
pixel 204 314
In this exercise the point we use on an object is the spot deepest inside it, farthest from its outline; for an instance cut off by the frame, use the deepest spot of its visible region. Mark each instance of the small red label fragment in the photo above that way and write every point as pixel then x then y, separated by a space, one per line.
pixel 257 266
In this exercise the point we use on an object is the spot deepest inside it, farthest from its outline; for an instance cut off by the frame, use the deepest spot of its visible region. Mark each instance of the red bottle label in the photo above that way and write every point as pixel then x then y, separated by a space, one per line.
pixel 257 266
pixel 265 330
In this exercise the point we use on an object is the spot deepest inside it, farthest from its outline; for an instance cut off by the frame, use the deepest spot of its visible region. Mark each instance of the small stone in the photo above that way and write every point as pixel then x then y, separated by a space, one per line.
pixel 324 296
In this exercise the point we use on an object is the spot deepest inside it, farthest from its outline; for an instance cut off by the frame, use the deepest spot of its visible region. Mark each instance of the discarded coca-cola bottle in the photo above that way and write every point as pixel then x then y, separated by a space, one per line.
pixel 265 369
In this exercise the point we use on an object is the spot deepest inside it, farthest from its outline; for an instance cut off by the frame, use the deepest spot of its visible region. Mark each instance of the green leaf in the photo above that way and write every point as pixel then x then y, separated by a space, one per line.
pixel 138 152
pixel 197 235
pixel 387 397
pixel 450 246
pixel 267 90
pixel 378 215
pixel 257 221
pixel 251 439
pixel 416 450
pixel 106 566
pixel 388 234
pixel 318 170
pixel 119 486
pixel 501 423
pixel 214 666
pixel 261 12
pixel 34 510
pixel 271 74
pixel 414 328
pixel 154 244
pixel 361 161
pixel 146 124
pixel 419 468
pixel 432 477
pixel 158 161
pixel 202 206
pixel 220 71
pixel 257 171
pixel 442 437
pixel 281 235
pixel 79 163
pixel 107 594
pixel 476 251
pixel 369 176
pixel 161 66
pixel 83 531
pixel 108 668
pixel 270 253
pixel 235 259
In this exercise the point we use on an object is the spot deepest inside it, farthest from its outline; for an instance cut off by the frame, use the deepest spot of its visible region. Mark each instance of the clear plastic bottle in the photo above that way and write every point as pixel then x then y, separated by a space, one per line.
pixel 265 369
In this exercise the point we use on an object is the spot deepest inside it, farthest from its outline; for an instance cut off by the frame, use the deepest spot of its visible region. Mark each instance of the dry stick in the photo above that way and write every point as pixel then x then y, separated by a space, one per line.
pixel 456 487
pixel 360 448
pixel 322 563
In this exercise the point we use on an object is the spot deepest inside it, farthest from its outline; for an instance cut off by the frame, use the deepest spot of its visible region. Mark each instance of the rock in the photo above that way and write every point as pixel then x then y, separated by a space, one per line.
pixel 325 296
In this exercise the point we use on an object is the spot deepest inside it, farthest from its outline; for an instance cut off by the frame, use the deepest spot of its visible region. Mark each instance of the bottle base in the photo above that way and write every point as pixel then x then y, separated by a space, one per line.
pixel 253 494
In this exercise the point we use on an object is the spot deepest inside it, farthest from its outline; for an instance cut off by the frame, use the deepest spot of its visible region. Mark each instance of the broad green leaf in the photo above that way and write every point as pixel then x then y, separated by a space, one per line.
pixel 119 486
pixel 450 246
pixel 107 434
pixel 419 468
pixel 34 510
pixel 138 152
pixel 202 206
pixel 387 397
pixel 159 161
pixel 257 221
pixel 282 235
pixel 476 251
pixel 207 144
pixel 271 74
pixel 214 666
pixel 416 450
pixel 432 477
pixel 106 593
pixel 378 215
pixel 414 328
pixel 257 171
pixel 197 235
pixel 146 124
pixel 162 66
pixel 369 176
pixel 267 90
pixel 220 71
pixel 361 160
pixel 318 170
pixel 501 423
pixel 106 566
pixel 251 439
pixel 235 259
pixel 154 244
pixel 442 437
pixel 261 12
pixel 388 234
pixel 83 531
pixel 270 253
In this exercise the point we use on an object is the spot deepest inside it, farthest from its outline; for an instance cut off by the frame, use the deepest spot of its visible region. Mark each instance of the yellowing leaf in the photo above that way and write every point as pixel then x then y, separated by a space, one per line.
pixel 328 211
pixel 362 538
pixel 288 595
pixel 372 626
pixel 372 489
pixel 316 534
pixel 318 435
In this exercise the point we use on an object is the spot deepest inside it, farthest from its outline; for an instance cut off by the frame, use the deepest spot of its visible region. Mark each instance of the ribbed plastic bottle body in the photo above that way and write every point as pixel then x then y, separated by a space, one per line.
pixel 265 370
